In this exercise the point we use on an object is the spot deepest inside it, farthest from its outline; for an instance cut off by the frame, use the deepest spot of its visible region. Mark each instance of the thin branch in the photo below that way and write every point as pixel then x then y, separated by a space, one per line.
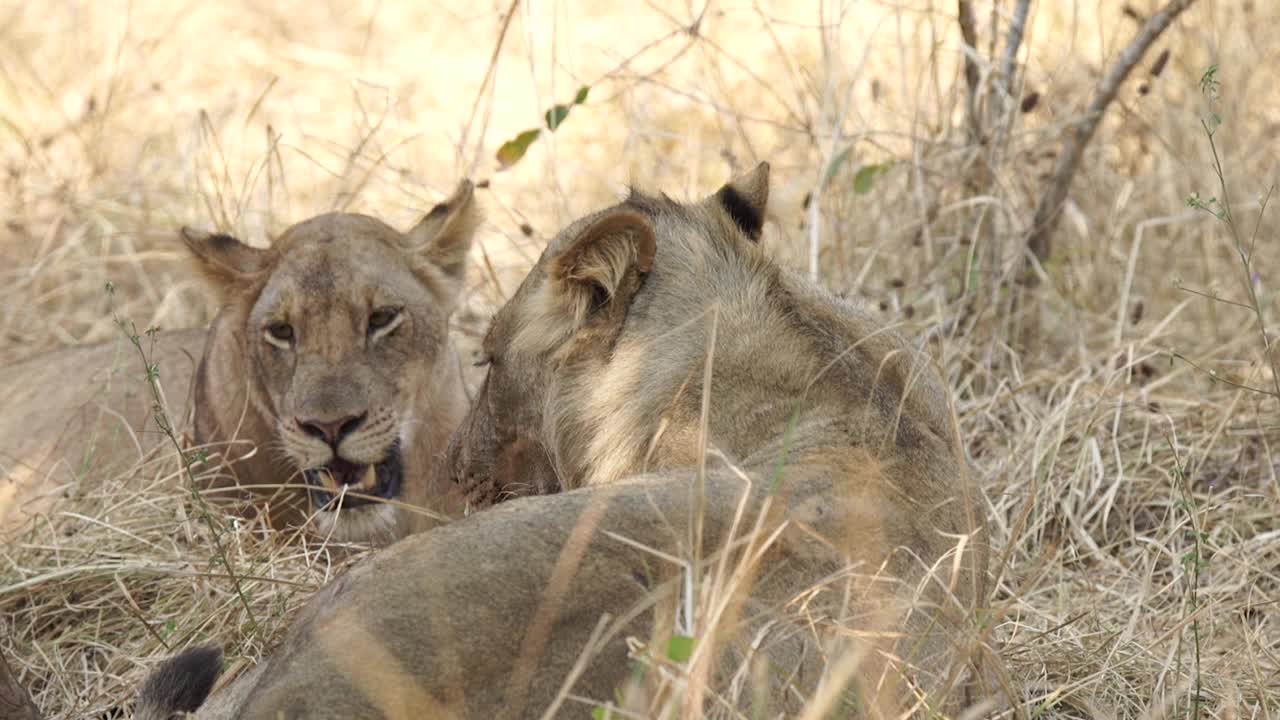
pixel 1049 209
pixel 969 35
pixel 486 85
pixel 1013 41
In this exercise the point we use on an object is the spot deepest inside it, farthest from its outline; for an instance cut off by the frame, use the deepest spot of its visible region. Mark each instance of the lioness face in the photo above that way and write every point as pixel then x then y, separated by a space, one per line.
pixel 345 337
pixel 544 419
pixel 346 330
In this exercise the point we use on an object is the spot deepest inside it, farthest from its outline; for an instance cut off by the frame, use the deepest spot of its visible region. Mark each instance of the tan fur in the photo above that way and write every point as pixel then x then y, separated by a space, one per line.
pixel 86 409
pixel 372 388
pixel 15 703
pixel 838 526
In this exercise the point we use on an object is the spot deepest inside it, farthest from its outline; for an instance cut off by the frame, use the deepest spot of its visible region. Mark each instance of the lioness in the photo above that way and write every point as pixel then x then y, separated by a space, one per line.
pixel 820 466
pixel 329 364
pixel 333 346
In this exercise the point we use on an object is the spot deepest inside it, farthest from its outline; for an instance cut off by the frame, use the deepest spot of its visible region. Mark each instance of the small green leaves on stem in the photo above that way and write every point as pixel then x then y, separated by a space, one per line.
pixel 863 180
pixel 1211 206
pixel 679 648
pixel 152 369
pixel 514 149
pixel 1242 242
pixel 866 176
pixel 1210 86
pixel 557 114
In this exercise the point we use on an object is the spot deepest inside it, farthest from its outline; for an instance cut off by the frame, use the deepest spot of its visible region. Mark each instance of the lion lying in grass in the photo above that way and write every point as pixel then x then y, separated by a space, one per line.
pixel 329 366
pixel 816 488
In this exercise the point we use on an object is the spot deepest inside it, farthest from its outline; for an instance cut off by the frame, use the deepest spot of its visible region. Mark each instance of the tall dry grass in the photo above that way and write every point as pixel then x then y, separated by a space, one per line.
pixel 1134 497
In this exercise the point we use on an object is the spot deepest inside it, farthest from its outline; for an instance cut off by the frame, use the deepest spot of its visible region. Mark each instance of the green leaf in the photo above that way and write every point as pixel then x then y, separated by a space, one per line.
pixel 514 149
pixel 556 115
pixel 833 166
pixel 680 648
pixel 866 176
pixel 600 712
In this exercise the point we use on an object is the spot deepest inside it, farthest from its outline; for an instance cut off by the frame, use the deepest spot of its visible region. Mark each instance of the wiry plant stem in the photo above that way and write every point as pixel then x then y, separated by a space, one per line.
pixel 1246 259
pixel 161 417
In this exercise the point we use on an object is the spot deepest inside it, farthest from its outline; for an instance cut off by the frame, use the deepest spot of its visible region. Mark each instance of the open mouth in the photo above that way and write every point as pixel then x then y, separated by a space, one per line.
pixel 376 482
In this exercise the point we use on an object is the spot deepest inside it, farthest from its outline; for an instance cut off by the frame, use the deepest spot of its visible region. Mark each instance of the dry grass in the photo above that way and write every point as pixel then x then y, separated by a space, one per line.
pixel 1099 455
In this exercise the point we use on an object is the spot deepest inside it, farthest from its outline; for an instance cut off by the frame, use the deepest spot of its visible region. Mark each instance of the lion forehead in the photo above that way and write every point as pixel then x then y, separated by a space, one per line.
pixel 336 226
pixel 353 273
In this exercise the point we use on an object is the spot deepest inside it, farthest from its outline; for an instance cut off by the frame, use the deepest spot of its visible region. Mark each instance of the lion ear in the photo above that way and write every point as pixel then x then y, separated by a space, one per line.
pixel 443 238
pixel 601 268
pixel 225 261
pixel 745 198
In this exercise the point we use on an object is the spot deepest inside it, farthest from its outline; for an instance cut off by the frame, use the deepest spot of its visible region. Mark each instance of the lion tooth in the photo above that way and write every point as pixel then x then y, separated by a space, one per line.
pixel 369 480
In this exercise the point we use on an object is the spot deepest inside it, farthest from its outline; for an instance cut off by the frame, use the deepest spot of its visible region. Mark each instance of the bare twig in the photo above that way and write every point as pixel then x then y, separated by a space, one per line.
pixel 1048 211
pixel 969 34
pixel 1013 41
pixel 486 87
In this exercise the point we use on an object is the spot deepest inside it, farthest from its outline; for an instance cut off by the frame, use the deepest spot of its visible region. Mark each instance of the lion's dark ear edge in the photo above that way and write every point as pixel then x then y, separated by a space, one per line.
pixel 745 199
pixel 226 262
pixel 445 234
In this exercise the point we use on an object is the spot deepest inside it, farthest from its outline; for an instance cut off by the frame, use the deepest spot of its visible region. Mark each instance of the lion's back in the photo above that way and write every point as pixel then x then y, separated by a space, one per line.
pixel 83 409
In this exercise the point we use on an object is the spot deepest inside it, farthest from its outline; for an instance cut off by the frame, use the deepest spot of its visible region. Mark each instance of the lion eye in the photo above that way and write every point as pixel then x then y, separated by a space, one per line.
pixel 382 319
pixel 280 334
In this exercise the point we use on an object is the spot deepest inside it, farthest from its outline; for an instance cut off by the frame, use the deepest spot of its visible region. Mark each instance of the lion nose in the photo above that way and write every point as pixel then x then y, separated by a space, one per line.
pixel 331 431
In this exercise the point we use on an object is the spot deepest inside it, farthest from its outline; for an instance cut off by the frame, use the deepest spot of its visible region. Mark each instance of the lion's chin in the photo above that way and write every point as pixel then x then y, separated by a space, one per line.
pixel 373 524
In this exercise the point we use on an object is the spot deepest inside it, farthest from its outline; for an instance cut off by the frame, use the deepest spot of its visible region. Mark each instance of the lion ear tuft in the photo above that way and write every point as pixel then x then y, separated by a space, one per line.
pixel 601 267
pixel 745 199
pixel 443 237
pixel 226 262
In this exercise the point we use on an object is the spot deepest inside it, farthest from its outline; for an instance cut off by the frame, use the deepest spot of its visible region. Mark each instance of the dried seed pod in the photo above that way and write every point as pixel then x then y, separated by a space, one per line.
pixel 1158 66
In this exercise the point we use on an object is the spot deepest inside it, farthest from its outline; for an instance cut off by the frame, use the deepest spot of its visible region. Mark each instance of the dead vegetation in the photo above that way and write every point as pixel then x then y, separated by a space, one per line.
pixel 1111 409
